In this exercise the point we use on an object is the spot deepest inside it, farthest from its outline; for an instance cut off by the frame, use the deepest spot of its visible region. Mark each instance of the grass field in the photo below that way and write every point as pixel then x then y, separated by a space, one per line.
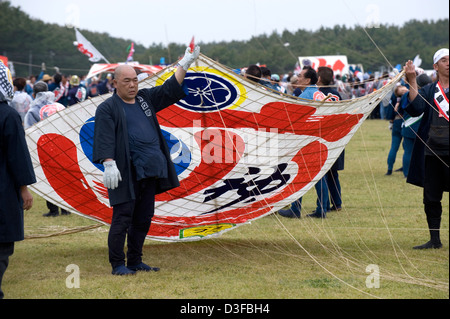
pixel 274 257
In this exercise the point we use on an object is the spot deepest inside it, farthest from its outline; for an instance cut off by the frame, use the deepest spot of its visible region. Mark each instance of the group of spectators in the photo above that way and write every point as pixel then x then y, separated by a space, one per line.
pixel 72 89
pixel 349 86
pixel 66 90
pixel 40 96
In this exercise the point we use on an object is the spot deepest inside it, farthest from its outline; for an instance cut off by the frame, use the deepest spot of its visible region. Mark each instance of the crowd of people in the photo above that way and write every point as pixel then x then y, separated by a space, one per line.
pixel 71 89
pixel 22 102
pixel 67 89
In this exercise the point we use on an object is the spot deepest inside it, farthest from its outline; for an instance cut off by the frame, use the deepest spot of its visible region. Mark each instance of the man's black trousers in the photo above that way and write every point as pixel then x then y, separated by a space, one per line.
pixel 132 220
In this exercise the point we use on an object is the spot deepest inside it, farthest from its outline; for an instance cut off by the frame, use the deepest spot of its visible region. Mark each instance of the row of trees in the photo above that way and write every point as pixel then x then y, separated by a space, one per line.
pixel 27 41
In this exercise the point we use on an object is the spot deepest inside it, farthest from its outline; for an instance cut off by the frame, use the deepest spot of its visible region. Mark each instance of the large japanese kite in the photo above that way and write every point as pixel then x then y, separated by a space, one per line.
pixel 241 152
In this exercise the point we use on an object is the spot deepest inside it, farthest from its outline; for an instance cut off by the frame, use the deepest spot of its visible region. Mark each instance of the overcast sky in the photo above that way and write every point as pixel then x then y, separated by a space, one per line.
pixel 165 21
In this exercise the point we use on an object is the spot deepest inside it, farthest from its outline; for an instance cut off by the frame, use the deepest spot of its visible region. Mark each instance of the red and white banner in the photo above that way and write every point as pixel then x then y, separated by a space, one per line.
pixel 86 47
pixel 338 63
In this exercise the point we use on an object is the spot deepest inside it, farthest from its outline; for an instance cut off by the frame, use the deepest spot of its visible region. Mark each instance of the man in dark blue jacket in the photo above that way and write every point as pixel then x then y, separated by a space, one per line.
pixel 129 143
pixel 429 166
pixel 16 172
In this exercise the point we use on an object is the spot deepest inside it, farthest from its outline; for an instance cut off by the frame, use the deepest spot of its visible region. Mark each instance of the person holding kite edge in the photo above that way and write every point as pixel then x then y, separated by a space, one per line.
pixel 129 143
pixel 429 166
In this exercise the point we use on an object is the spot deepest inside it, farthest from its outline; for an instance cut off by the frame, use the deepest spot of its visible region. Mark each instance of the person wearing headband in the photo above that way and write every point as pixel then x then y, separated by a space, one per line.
pixel 429 166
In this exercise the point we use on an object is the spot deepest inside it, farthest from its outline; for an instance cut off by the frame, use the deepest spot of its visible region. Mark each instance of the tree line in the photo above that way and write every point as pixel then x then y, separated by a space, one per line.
pixel 29 42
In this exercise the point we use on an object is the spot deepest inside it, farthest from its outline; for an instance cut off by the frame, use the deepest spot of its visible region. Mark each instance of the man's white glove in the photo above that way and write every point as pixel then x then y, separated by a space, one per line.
pixel 189 57
pixel 111 176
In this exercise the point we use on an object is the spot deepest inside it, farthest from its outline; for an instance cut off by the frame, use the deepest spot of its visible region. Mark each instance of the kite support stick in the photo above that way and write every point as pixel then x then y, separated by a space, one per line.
pixel 327 97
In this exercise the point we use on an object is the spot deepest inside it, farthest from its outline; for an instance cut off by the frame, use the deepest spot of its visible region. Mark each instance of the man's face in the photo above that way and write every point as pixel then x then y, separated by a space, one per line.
pixel 303 82
pixel 126 83
pixel 441 67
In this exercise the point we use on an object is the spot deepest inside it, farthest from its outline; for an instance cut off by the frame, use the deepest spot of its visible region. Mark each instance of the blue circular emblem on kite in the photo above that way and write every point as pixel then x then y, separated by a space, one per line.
pixel 208 92
pixel 179 151
pixel 87 140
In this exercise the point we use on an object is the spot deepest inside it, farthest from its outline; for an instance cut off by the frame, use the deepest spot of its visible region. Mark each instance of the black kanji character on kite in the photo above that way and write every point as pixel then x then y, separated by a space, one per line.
pixel 248 191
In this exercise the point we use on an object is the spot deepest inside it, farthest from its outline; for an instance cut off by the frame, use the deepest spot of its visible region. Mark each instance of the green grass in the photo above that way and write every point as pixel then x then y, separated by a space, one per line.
pixel 277 258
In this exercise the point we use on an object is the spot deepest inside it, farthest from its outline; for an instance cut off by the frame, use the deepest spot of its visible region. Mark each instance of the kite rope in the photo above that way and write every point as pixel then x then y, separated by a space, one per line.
pixel 68 231
pixel 377 197
pixel 445 285
pixel 393 242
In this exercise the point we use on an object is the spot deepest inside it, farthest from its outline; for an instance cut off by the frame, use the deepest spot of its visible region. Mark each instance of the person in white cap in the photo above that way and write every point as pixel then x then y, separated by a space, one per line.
pixel 430 158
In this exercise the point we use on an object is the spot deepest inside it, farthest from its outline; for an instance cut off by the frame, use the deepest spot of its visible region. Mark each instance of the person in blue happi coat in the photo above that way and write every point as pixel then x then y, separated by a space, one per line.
pixel 429 166
pixel 16 172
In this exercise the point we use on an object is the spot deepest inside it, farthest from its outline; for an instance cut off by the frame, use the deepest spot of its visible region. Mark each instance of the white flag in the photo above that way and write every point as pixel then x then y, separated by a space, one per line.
pixel 85 47
pixel 417 61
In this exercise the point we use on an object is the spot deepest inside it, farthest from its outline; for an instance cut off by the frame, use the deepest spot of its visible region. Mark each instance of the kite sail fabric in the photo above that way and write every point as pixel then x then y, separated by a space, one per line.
pixel 241 152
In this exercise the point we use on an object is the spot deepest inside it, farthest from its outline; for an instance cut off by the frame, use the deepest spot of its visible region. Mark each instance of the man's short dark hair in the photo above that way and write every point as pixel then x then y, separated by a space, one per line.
pixel 20 83
pixel 326 75
pixel 57 78
pixel 311 74
pixel 265 72
pixel 423 80
pixel 254 73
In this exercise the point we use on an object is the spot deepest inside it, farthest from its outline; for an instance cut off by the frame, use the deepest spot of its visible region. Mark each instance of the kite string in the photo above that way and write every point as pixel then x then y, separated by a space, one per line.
pixel 383 214
pixel 371 170
pixel 290 234
pixel 375 44
pixel 372 178
pixel 389 63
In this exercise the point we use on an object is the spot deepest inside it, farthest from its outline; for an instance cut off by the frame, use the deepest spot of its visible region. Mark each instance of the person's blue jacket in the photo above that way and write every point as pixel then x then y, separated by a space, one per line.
pixel 309 92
